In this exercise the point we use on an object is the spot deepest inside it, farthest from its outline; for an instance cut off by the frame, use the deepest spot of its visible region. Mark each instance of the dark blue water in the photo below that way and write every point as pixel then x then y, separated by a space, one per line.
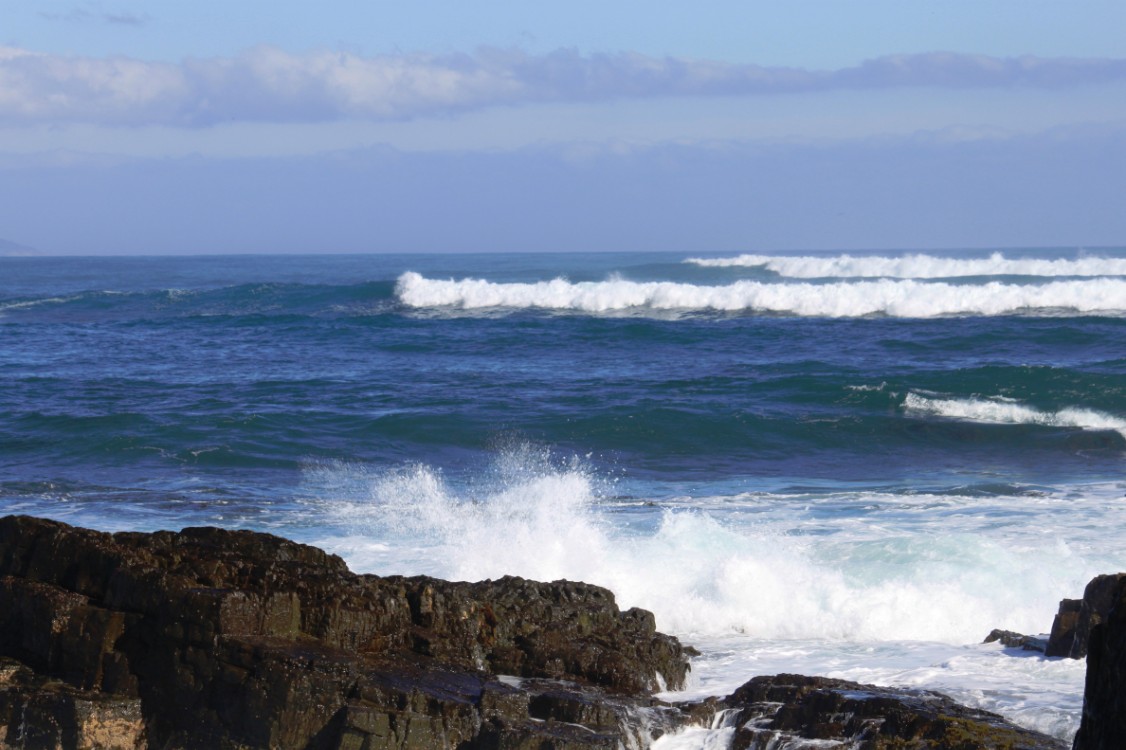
pixel 138 380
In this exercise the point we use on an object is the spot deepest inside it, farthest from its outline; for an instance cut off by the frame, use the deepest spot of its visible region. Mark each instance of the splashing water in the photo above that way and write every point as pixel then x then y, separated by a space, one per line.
pixel 892 588
pixel 846 566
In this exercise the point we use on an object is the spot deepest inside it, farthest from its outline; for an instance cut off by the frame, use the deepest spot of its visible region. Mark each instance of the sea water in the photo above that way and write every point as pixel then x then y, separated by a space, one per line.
pixel 853 465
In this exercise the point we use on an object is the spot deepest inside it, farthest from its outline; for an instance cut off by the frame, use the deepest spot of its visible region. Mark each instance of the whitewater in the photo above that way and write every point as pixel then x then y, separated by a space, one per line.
pixel 890 587
pixel 852 465
pixel 899 298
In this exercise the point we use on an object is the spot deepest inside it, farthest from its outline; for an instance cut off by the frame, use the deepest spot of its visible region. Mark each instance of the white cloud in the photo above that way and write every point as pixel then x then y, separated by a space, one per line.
pixel 270 85
pixel 37 87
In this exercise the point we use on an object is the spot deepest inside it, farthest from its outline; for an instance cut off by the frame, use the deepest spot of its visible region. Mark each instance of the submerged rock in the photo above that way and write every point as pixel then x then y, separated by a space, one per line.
pixel 793 711
pixel 1009 639
pixel 231 639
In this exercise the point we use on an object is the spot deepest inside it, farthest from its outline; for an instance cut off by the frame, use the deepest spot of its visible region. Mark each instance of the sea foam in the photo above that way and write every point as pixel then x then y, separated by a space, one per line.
pixel 917 266
pixel 843 299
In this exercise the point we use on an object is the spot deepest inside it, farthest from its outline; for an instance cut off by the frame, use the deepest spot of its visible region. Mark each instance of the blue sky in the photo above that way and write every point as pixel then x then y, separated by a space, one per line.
pixel 804 33
pixel 964 102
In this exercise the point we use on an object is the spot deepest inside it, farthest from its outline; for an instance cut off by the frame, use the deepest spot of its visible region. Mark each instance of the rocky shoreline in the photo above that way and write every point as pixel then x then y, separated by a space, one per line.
pixel 209 638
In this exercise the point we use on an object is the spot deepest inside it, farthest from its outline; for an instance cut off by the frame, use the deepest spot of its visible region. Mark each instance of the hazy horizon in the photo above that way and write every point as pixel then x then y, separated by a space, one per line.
pixel 152 129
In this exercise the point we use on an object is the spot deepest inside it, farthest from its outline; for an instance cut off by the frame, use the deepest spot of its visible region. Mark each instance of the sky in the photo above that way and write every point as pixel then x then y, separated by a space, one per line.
pixel 152 126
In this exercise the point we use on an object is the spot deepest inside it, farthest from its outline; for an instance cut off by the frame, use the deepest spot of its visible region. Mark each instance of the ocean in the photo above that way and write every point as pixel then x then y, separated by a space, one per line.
pixel 853 465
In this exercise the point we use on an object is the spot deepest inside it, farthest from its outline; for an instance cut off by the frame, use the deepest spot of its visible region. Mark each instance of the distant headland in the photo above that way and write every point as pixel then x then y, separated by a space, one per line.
pixel 11 249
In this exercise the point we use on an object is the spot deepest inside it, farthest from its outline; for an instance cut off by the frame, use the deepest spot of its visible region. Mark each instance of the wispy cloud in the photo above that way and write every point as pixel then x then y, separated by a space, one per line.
pixel 126 19
pixel 269 85
pixel 82 15
pixel 74 15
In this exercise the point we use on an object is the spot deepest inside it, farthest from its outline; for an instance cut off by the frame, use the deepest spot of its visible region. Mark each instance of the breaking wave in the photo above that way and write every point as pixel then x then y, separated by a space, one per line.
pixel 903 298
pixel 698 571
pixel 917 266
pixel 1003 411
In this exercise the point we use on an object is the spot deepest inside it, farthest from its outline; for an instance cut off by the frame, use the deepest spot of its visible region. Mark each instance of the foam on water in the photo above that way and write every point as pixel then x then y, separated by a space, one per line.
pixel 909 299
pixel 1004 411
pixel 1025 687
pixel 918 266
pixel 716 736
pixel 863 567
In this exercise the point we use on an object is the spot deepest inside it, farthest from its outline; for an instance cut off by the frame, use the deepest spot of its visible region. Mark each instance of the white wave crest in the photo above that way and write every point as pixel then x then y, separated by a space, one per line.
pixel 23 304
pixel 908 299
pixel 1005 411
pixel 918 266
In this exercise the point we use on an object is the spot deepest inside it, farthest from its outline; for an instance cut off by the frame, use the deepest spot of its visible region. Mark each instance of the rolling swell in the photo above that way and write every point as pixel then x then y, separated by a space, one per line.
pixel 283 363
pixel 803 418
pixel 244 300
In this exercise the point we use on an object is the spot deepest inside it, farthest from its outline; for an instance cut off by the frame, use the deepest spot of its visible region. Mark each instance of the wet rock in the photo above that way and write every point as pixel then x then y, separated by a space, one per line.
pixel 1062 637
pixel 796 711
pixel 1103 725
pixel 1076 617
pixel 1009 639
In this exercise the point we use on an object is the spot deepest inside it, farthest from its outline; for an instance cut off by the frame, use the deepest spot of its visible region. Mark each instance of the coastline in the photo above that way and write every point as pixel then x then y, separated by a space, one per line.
pixel 243 639
pixel 862 497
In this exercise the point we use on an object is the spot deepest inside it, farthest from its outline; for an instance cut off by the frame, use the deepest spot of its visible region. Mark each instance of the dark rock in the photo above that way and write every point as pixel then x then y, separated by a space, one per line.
pixel 785 710
pixel 1009 639
pixel 1072 626
pixel 1103 725
pixel 37 712
pixel 1062 638
pixel 237 639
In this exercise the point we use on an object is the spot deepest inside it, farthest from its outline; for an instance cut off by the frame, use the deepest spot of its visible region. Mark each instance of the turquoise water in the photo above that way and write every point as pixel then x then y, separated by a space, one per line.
pixel 814 463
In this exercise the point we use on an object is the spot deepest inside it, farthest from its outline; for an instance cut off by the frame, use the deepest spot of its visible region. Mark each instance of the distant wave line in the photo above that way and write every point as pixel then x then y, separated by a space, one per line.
pixel 917 266
pixel 893 298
